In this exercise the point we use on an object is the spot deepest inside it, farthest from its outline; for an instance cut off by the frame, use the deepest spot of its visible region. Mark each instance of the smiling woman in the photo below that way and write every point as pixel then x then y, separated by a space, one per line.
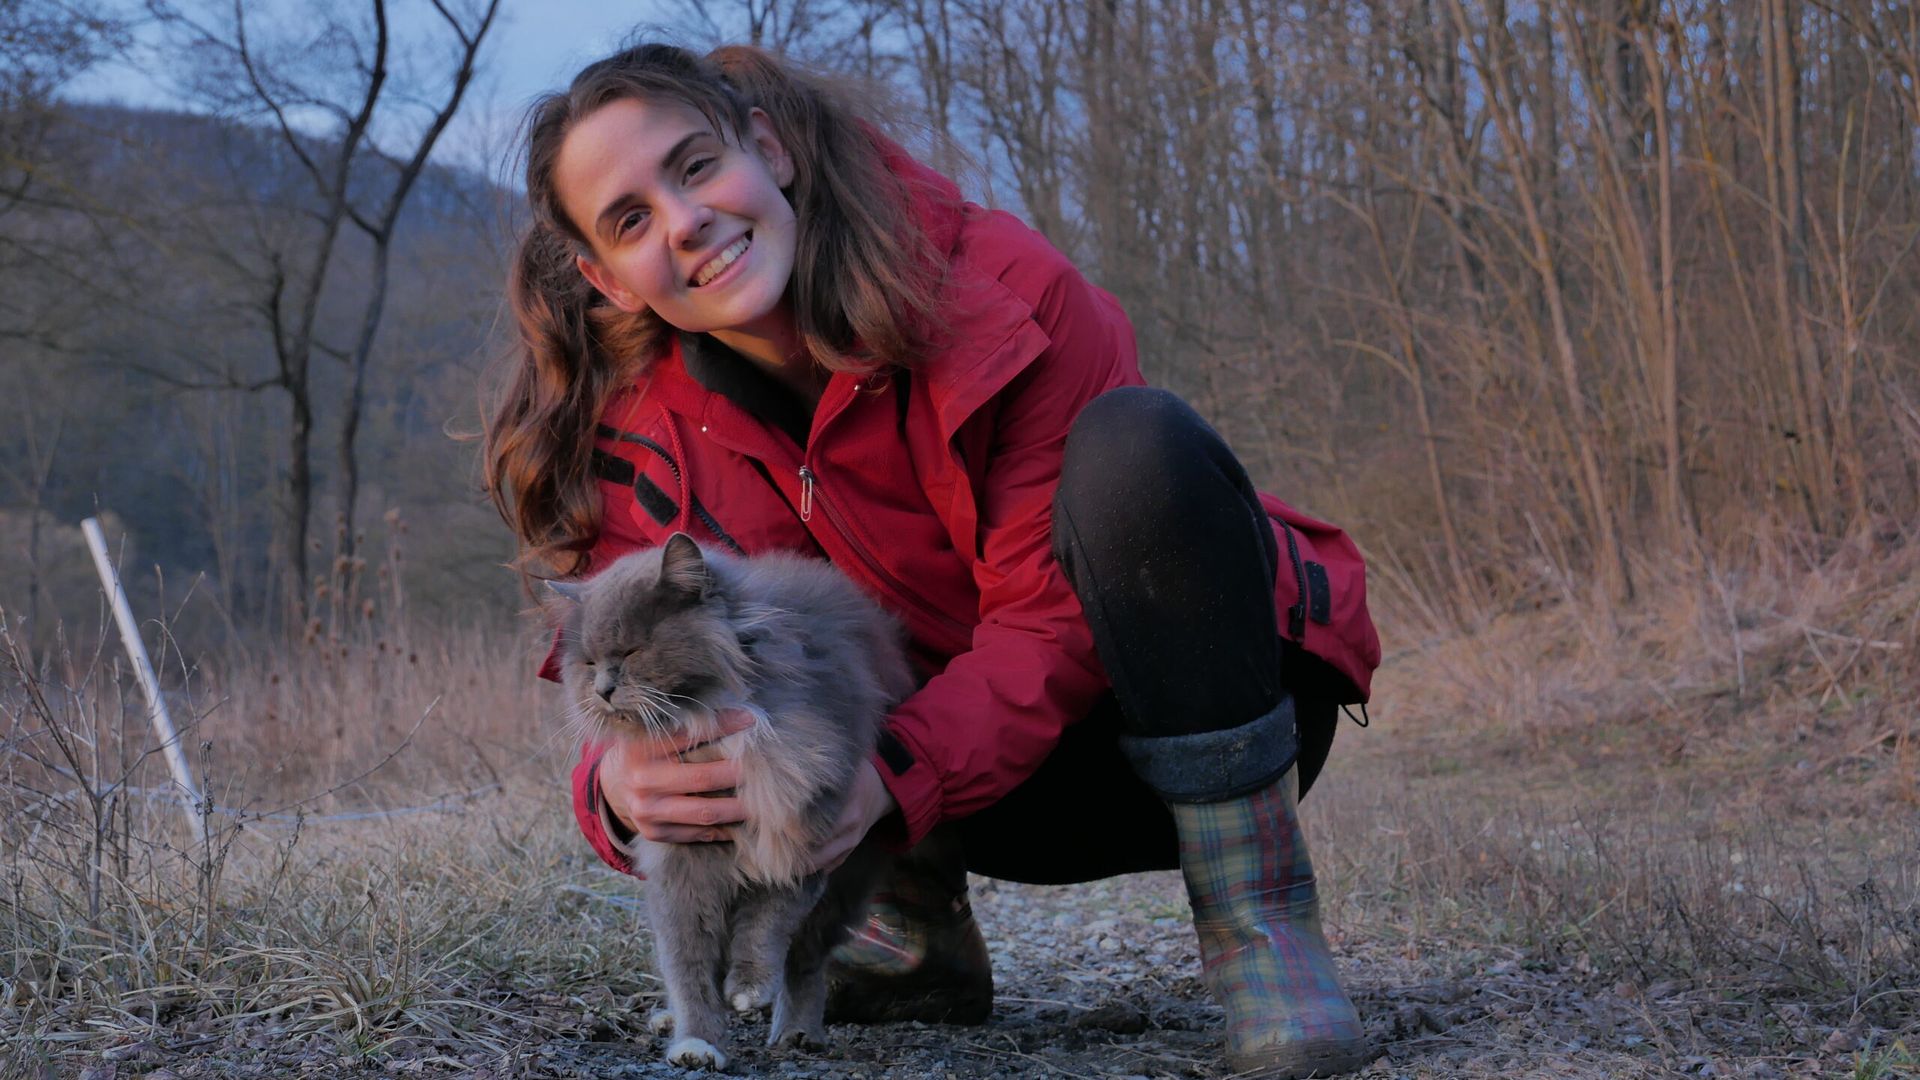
pixel 749 317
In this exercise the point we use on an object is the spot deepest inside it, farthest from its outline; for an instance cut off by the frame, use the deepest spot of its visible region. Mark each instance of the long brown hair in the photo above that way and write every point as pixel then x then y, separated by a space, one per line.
pixel 863 287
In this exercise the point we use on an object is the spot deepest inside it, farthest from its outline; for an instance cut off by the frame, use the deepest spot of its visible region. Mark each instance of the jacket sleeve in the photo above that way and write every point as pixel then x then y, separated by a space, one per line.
pixel 982 726
pixel 589 809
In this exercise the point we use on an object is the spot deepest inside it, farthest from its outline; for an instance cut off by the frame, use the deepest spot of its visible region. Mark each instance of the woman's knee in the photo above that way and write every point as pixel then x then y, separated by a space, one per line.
pixel 1143 448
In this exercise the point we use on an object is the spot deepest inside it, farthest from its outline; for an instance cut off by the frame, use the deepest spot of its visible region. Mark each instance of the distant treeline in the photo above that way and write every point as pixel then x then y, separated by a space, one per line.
pixel 1532 296
pixel 138 381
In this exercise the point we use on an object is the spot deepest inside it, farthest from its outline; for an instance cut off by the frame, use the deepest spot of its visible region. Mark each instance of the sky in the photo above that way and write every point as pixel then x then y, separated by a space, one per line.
pixel 536 46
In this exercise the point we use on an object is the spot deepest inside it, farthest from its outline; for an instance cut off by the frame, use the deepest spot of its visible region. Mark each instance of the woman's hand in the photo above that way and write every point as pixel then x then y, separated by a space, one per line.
pixel 658 796
pixel 867 803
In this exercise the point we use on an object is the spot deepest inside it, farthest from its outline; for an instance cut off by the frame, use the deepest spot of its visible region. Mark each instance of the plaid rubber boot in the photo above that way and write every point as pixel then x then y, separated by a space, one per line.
pixel 919 954
pixel 1262 952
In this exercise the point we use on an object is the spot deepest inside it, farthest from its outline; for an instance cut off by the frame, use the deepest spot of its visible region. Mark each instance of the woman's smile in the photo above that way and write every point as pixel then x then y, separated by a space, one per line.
pixel 721 263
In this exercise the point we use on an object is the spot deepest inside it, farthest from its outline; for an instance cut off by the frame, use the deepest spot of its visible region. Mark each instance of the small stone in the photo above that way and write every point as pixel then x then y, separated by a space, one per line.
pixel 1109 945
pixel 1119 1017
pixel 1842 1041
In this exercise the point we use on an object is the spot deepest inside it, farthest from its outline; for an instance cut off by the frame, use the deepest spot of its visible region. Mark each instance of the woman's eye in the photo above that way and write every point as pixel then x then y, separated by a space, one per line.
pixel 698 166
pixel 630 221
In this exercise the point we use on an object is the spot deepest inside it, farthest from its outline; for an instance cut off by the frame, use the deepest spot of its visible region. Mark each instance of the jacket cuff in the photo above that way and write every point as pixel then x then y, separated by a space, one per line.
pixel 589 809
pixel 912 782
pixel 550 667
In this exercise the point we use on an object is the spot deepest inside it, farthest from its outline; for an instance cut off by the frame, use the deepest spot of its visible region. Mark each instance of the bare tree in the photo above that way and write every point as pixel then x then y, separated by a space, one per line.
pixel 330 98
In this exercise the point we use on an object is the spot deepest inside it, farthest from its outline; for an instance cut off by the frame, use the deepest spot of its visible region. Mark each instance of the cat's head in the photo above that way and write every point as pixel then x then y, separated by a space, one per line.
pixel 650 643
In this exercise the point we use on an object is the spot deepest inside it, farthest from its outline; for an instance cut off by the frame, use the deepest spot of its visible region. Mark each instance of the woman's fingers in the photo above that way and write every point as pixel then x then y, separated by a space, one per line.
pixel 688 834
pixel 692 810
pixel 688 819
pixel 673 777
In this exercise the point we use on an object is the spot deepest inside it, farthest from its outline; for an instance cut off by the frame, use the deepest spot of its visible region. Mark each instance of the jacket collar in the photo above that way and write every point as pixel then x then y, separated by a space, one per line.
pixel 725 372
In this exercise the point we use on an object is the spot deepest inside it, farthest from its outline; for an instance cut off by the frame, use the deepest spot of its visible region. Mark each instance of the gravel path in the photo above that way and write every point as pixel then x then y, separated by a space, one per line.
pixel 1102 980
pixel 1091 980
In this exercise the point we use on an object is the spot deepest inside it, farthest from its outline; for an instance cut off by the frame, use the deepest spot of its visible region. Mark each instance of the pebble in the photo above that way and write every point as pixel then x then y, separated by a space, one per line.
pixel 1119 1017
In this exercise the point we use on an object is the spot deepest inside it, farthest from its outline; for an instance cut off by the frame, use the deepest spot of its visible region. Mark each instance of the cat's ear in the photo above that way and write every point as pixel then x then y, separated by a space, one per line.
pixel 570 591
pixel 683 569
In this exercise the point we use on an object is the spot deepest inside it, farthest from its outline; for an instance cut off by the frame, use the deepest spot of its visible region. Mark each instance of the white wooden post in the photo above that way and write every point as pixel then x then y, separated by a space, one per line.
pixel 143 670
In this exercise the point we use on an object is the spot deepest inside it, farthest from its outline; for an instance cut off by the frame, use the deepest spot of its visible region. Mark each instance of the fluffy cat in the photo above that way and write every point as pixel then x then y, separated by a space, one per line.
pixel 659 643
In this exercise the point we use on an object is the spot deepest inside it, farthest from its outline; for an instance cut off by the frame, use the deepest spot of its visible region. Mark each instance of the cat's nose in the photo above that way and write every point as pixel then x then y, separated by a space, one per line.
pixel 603 685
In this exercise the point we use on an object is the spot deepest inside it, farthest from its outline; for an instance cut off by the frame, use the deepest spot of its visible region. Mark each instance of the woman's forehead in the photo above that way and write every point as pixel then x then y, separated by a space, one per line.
pixel 622 142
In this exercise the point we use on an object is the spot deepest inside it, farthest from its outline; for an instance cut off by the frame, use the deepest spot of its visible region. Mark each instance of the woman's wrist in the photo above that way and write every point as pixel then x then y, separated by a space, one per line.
pixel 618 831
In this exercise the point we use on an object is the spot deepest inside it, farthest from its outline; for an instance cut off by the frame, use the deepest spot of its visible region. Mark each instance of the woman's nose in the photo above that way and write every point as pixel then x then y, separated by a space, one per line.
pixel 690 223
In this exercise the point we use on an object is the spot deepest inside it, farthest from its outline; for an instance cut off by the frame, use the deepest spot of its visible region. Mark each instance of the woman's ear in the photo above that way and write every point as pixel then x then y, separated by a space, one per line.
pixel 607 285
pixel 771 149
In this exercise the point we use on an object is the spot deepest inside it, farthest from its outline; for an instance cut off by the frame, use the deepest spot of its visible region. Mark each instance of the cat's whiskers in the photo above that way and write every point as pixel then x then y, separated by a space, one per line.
pixel 577 727
pixel 653 717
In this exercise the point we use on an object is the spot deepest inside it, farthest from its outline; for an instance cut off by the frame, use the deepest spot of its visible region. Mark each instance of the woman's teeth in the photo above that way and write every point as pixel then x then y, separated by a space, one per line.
pixel 721 261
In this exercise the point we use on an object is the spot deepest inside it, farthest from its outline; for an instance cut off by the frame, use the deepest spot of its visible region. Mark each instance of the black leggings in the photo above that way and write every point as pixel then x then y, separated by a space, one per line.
pixel 1164 541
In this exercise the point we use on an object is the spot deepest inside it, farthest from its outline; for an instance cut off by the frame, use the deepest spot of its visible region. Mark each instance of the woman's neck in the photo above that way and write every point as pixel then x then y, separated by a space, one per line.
pixel 775 349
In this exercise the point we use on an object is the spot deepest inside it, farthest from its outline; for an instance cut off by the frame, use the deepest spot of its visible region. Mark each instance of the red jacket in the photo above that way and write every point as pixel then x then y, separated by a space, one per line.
pixel 933 489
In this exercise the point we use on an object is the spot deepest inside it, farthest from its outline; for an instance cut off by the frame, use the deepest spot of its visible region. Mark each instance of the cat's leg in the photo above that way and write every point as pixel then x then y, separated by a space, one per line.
pixel 764 921
pixel 799 1014
pixel 689 941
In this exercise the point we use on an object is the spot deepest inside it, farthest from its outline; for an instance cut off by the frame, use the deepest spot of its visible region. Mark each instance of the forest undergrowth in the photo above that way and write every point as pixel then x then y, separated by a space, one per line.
pixel 1699 807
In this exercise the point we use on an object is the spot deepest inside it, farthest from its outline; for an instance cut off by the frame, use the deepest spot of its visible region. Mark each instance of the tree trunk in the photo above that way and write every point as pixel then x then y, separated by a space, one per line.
pixel 299 501
pixel 349 463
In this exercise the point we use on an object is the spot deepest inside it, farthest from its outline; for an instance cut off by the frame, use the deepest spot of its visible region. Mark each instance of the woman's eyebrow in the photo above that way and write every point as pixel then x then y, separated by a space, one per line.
pixel 620 202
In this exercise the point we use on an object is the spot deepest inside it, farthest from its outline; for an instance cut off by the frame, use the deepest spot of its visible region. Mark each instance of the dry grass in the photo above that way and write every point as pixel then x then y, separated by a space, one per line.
pixel 1711 794
pixel 1704 804
pixel 398 878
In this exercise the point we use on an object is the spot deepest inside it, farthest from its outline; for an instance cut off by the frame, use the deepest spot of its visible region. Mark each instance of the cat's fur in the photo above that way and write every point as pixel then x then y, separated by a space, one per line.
pixel 659 643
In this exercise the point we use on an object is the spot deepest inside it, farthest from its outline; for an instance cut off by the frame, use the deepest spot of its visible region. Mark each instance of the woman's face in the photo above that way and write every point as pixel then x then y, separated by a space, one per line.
pixel 683 222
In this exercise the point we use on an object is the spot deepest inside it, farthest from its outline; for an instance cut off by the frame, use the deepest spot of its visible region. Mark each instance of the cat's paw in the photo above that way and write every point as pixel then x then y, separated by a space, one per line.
pixel 696 1054
pixel 748 992
pixel 749 1002
pixel 799 1038
pixel 660 1021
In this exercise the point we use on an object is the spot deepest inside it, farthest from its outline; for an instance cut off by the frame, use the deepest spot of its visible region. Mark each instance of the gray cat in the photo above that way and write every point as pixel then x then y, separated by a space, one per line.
pixel 660 642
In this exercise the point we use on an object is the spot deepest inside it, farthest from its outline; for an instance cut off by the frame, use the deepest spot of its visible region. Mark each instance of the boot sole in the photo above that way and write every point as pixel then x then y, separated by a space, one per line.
pixel 1304 1061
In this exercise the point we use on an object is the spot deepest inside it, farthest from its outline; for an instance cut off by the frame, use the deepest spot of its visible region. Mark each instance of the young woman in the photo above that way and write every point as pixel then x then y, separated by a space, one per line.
pixel 748 316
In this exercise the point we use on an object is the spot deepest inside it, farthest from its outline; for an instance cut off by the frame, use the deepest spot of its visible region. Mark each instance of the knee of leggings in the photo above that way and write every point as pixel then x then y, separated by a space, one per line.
pixel 1134 441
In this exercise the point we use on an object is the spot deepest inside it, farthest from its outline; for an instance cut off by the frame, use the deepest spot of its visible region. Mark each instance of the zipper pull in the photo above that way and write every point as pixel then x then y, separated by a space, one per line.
pixel 806 493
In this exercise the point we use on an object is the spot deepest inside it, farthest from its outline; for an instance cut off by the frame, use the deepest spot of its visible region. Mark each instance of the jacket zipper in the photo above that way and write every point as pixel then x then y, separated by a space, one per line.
pixel 809 499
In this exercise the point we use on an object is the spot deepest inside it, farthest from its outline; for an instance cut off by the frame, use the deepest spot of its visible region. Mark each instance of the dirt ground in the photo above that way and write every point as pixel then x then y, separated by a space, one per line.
pixel 1101 980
